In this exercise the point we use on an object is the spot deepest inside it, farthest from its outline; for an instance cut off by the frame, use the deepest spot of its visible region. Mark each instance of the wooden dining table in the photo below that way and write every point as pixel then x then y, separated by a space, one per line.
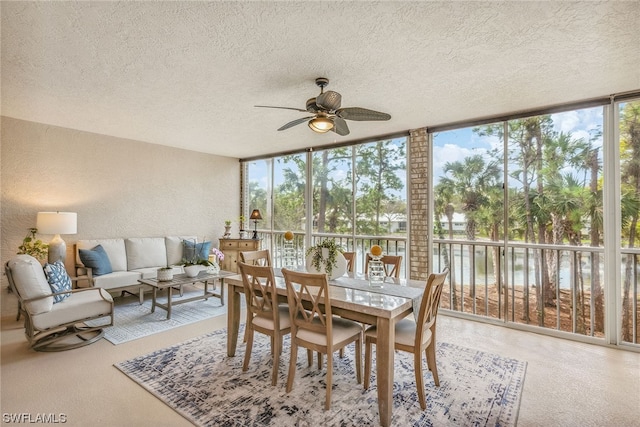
pixel 352 298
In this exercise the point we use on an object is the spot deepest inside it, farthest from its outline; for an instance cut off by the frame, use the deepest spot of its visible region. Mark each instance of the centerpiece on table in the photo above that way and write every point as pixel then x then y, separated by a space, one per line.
pixel 195 257
pixel 325 257
pixel 376 267
pixel 289 255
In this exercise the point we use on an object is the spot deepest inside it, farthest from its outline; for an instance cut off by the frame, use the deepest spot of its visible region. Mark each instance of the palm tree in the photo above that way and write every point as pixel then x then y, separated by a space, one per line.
pixel 470 181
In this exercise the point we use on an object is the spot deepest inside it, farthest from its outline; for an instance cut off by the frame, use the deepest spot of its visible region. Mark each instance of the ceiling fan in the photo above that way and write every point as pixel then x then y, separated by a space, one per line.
pixel 327 114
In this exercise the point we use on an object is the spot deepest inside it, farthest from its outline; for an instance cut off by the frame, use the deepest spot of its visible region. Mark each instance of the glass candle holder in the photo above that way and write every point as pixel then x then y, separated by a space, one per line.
pixel 376 272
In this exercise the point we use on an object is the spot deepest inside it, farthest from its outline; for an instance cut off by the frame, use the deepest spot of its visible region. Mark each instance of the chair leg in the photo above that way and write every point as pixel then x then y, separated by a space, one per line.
pixel 417 367
pixel 431 362
pixel 342 353
pixel 309 357
pixel 292 366
pixel 320 361
pixel 358 345
pixel 327 403
pixel 246 330
pixel 276 339
pixel 367 362
pixel 247 354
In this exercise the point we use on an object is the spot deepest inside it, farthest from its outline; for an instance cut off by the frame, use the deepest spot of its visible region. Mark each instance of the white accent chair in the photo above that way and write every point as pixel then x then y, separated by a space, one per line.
pixel 59 326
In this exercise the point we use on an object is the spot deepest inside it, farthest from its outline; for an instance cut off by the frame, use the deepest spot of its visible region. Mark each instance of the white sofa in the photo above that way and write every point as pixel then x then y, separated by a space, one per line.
pixel 131 259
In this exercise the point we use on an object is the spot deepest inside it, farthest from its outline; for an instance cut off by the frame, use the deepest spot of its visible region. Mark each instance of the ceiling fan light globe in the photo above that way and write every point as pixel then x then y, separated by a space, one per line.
pixel 321 124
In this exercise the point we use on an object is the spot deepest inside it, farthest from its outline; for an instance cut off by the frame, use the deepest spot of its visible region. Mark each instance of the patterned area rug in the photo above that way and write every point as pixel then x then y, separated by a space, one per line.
pixel 133 321
pixel 199 381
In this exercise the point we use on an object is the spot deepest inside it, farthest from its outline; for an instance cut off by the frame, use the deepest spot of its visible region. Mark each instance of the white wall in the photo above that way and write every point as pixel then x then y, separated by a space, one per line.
pixel 118 187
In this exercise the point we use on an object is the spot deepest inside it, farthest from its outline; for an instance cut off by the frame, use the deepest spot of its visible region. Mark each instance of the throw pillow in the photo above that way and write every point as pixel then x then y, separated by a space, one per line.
pixel 96 259
pixel 58 279
pixel 195 251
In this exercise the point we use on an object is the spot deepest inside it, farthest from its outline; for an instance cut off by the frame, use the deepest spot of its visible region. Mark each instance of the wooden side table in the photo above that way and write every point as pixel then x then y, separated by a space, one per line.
pixel 231 249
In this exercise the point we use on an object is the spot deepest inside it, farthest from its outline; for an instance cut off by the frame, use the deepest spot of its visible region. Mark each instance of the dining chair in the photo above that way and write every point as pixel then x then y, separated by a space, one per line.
pixel 265 315
pixel 415 337
pixel 391 265
pixel 315 328
pixel 259 257
pixel 351 258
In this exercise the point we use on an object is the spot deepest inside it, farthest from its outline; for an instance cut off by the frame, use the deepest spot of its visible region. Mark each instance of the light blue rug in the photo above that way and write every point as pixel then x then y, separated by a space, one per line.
pixel 133 321
pixel 199 381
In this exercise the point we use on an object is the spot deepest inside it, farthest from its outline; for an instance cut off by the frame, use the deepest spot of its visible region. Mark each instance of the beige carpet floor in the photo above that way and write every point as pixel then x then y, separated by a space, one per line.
pixel 567 383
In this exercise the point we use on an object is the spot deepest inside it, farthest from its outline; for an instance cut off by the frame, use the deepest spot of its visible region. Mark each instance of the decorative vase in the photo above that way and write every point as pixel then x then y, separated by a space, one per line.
pixel 290 256
pixel 338 270
pixel 192 270
pixel 165 274
pixel 214 268
pixel 376 272
pixel 227 232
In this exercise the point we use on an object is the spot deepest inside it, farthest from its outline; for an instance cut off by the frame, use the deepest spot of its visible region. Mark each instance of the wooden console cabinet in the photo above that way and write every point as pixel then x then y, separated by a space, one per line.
pixel 231 249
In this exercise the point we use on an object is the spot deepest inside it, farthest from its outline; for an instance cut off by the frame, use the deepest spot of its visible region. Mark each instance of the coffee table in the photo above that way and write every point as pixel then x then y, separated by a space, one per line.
pixel 182 279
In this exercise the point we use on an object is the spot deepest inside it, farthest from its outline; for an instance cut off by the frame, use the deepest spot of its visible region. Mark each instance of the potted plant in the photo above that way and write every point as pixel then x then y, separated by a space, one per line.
pixel 32 246
pixel 241 225
pixel 325 257
pixel 194 266
pixel 193 263
pixel 165 274
pixel 227 229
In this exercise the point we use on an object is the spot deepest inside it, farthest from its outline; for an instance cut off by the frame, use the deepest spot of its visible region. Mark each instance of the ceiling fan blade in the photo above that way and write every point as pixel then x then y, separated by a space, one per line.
pixel 340 126
pixel 295 122
pixel 283 108
pixel 329 100
pixel 361 114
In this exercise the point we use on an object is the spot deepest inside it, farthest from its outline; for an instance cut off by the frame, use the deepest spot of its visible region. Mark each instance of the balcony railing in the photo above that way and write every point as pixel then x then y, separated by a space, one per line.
pixel 551 286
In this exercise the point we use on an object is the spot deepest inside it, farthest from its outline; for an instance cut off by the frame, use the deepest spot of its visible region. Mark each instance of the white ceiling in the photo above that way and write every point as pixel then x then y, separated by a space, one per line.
pixel 188 74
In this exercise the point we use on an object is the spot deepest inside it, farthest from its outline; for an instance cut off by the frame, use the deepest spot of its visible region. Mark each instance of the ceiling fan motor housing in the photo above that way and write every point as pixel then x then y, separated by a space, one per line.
pixel 311 105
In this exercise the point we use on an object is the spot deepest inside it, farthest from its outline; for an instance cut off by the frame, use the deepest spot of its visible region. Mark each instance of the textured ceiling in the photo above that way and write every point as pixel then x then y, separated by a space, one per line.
pixel 188 74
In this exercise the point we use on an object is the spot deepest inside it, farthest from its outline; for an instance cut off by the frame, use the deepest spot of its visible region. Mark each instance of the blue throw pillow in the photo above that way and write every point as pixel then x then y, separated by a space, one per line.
pixel 194 251
pixel 96 259
pixel 58 279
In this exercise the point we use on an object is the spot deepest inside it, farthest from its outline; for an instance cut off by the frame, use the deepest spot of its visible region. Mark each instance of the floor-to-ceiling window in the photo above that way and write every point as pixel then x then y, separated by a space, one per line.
pixel 628 126
pixel 519 219
pixel 355 195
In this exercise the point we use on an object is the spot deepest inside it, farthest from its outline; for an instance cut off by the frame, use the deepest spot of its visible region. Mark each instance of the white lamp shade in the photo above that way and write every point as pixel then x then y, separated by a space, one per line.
pixel 57 222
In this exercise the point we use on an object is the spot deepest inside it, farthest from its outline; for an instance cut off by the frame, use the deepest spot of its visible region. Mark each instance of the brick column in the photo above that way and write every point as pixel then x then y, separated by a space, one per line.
pixel 419 204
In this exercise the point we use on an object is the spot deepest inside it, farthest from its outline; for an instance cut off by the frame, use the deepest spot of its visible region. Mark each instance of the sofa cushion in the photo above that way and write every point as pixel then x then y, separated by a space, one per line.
pixel 96 259
pixel 193 250
pixel 144 252
pixel 88 303
pixel 113 247
pixel 58 279
pixel 117 279
pixel 30 282
pixel 174 248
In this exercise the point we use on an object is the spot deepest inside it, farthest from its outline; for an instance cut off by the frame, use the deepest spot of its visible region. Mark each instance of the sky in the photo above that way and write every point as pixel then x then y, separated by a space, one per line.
pixel 455 145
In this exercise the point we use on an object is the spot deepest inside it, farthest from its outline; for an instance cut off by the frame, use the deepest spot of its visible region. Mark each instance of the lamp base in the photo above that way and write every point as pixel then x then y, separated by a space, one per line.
pixel 57 250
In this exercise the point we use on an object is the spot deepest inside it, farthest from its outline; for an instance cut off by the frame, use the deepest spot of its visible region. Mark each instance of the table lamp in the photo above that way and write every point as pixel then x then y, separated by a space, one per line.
pixel 57 223
pixel 255 216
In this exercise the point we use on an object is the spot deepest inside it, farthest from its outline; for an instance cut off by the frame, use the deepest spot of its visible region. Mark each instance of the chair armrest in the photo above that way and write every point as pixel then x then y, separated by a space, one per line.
pixel 84 273
pixel 73 291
